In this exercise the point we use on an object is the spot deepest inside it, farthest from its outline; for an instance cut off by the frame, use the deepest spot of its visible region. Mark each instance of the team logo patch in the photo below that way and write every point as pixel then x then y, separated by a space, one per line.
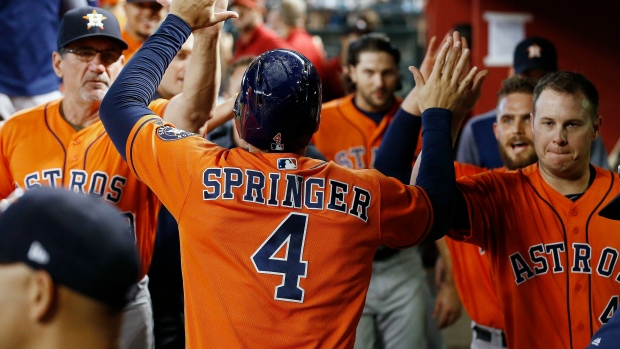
pixel 287 164
pixel 168 133
pixel 534 51
pixel 95 19
pixel 278 143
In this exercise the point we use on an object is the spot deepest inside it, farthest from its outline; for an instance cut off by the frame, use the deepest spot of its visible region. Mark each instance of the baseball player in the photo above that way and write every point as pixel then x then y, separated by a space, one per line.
pixel 608 335
pixel 63 144
pixel 470 264
pixel 296 278
pixel 553 261
pixel 67 269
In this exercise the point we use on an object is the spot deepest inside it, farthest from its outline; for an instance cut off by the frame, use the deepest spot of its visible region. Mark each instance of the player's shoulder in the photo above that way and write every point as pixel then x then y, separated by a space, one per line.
pixel 27 118
pixel 335 104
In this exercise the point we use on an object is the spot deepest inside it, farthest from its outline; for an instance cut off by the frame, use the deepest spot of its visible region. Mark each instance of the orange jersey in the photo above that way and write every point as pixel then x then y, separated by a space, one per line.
pixel 347 136
pixel 471 271
pixel 276 249
pixel 554 261
pixel 133 45
pixel 38 147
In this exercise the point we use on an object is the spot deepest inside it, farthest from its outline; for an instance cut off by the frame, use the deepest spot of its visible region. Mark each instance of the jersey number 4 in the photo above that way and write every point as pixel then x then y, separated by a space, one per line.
pixel 289 235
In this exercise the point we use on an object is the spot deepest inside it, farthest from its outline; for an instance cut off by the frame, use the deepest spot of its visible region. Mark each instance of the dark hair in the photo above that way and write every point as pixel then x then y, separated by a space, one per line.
pixel 570 83
pixel 371 42
pixel 516 84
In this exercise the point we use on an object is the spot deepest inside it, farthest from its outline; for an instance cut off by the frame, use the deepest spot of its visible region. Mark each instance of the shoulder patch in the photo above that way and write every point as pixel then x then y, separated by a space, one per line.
pixel 287 164
pixel 167 133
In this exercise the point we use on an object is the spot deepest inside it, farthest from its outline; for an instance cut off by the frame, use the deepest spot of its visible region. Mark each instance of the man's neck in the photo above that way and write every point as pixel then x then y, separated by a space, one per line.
pixel 79 114
pixel 85 335
pixel 567 186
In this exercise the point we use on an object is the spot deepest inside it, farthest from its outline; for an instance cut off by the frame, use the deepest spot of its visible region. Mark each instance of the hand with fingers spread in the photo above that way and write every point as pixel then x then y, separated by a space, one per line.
pixel 201 13
pixel 444 88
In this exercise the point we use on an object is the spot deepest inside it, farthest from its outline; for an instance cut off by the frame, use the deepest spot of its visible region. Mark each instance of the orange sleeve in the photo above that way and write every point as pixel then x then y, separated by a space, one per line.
pixel 158 106
pixel 6 179
pixel 483 201
pixel 164 158
pixel 403 207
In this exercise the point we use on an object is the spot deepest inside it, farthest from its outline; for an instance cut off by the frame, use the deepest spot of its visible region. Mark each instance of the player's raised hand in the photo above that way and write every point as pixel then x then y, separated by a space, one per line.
pixel 444 88
pixel 410 103
pixel 201 13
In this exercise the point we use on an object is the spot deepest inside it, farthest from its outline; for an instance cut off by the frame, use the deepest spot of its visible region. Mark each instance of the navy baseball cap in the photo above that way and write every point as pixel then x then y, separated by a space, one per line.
pixel 612 209
pixel 535 53
pixel 82 242
pixel 88 22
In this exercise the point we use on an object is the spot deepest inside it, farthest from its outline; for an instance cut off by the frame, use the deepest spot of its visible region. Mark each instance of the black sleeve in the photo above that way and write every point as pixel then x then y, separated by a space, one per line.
pixel 436 175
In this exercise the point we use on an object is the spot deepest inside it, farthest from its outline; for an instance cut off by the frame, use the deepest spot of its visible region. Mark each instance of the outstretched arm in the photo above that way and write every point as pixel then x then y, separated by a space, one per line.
pixel 127 100
pixel 439 97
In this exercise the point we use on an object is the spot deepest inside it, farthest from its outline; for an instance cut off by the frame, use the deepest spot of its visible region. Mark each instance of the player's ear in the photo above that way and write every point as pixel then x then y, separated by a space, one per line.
pixel 41 296
pixel 57 63
pixel 597 126
pixel 351 73
pixel 495 131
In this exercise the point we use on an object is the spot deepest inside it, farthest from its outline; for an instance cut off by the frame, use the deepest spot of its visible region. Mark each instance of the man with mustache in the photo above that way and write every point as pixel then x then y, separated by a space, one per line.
pixel 64 144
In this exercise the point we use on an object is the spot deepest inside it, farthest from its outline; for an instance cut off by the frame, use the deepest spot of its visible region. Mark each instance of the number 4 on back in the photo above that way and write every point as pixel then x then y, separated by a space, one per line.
pixel 292 233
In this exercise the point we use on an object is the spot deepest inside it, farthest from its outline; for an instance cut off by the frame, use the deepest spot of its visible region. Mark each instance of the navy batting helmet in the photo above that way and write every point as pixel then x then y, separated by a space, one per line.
pixel 279 107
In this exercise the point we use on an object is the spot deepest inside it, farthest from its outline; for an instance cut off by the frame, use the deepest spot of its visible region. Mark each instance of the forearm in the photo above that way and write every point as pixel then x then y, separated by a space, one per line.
pixel 127 100
pixel 446 260
pixel 196 104
pixel 397 150
pixel 436 175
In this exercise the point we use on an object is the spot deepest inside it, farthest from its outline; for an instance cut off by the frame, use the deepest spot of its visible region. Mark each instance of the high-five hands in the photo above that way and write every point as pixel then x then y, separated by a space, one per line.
pixel 451 82
pixel 201 13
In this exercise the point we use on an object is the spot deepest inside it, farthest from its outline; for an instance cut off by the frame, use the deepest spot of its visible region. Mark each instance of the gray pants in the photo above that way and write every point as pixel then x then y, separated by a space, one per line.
pixel 9 105
pixel 396 314
pixel 492 341
pixel 137 322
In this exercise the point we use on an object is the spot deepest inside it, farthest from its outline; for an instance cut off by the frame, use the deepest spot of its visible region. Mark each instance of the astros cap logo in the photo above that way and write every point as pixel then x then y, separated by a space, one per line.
pixel 95 19
pixel 533 51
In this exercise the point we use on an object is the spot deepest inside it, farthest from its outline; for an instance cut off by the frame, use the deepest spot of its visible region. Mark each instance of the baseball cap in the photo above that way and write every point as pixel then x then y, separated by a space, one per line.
pixel 88 22
pixel 81 241
pixel 535 53
pixel 612 209
pixel 251 4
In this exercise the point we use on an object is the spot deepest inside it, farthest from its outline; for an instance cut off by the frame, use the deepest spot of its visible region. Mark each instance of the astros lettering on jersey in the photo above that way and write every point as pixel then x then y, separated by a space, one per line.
pixel 320 225
pixel 554 260
pixel 38 147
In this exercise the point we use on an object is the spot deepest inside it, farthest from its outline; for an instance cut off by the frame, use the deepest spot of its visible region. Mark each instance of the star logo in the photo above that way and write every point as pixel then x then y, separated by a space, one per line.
pixel 533 51
pixel 95 19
